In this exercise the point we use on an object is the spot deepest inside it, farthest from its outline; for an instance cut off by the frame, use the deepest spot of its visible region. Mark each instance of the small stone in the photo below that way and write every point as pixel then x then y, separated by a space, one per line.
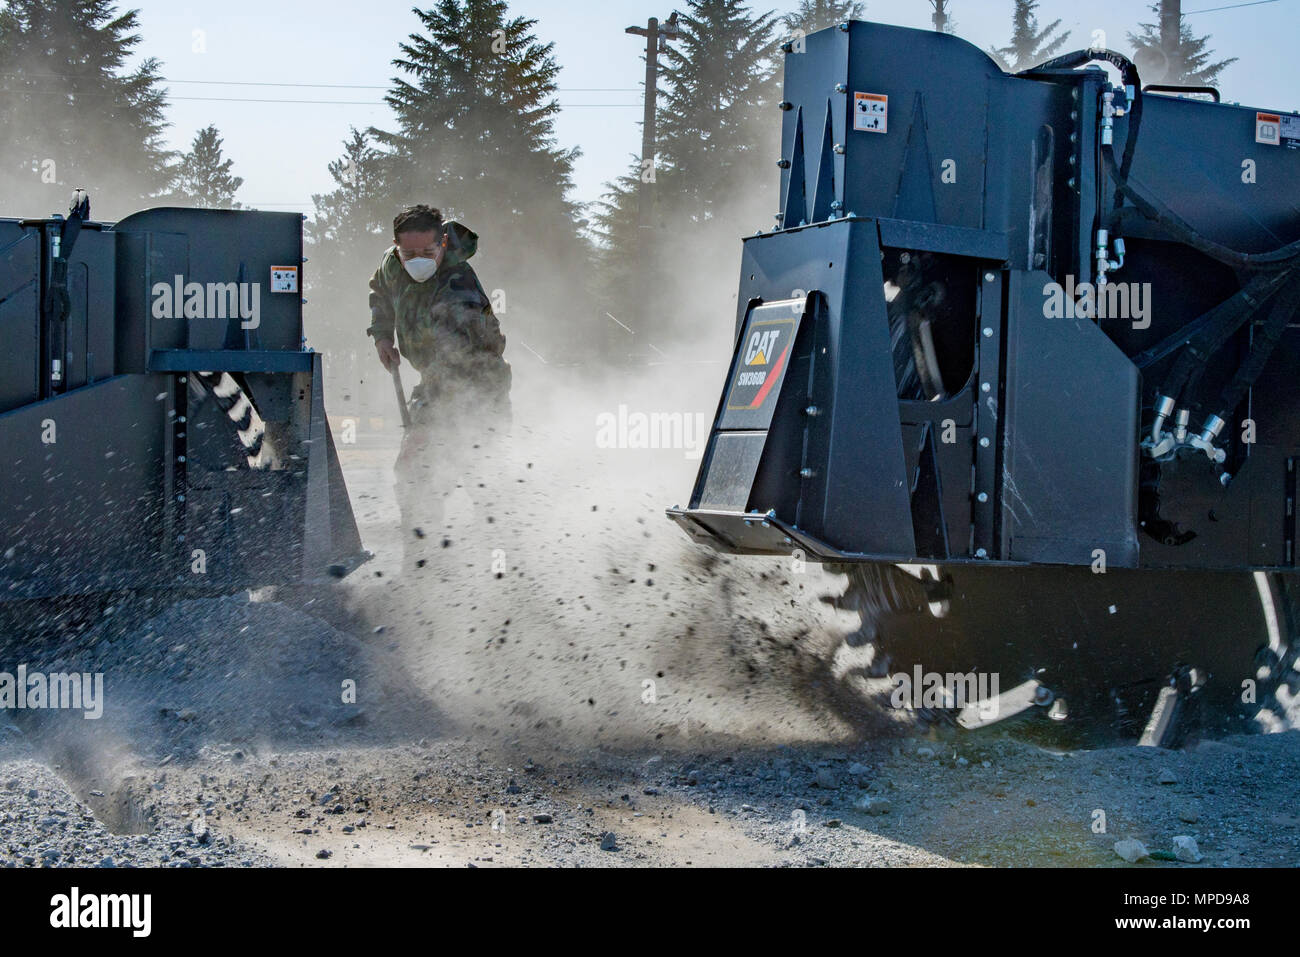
pixel 825 779
pixel 1166 777
pixel 1185 849
pixel 650 791
pixel 1131 850
pixel 834 822
pixel 542 819
pixel 924 752
pixel 608 841
pixel 858 770
pixel 323 854
pixel 874 806
pixel 1188 815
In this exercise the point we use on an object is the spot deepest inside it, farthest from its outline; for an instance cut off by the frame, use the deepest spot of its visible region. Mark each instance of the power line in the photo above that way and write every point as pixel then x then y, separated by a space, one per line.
pixel 318 86
pixel 1232 6
pixel 235 99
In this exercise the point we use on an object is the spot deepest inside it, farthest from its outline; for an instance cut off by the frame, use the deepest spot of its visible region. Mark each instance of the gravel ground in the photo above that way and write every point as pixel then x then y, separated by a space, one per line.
pixel 567 681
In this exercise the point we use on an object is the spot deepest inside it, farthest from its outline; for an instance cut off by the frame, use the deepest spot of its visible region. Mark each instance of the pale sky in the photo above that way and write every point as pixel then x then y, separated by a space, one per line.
pixel 282 148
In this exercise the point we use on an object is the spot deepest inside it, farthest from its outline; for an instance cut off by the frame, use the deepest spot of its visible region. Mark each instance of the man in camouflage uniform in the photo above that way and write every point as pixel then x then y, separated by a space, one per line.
pixel 426 301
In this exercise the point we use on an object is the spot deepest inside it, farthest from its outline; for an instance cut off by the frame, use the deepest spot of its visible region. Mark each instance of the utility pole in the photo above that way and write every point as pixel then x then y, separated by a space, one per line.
pixel 656 41
pixel 940 14
pixel 1171 25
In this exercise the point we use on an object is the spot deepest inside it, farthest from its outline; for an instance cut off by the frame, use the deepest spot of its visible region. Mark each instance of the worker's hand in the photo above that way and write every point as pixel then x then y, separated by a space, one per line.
pixel 388 354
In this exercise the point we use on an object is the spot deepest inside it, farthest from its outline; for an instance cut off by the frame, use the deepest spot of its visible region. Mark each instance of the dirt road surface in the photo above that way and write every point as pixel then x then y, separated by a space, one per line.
pixel 558 677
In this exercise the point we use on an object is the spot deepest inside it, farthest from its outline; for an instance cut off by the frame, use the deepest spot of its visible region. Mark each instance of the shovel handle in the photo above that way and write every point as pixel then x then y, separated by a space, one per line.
pixel 401 397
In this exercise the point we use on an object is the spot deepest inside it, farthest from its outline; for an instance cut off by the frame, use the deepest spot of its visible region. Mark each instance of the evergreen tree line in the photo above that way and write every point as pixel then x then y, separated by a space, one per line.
pixel 474 101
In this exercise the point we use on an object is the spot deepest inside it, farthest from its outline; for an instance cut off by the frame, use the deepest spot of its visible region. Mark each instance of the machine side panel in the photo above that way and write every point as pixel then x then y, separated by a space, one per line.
pixel 1069 458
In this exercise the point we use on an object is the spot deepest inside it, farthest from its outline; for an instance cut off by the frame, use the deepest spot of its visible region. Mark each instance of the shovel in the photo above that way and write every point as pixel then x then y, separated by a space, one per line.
pixel 401 397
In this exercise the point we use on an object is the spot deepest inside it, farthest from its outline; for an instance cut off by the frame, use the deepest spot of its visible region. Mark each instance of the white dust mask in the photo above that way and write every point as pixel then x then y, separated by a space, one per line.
pixel 421 269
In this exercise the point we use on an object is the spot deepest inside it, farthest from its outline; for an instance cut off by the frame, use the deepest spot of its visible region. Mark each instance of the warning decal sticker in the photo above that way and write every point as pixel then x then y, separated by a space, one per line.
pixel 1291 132
pixel 284 279
pixel 871 112
pixel 1277 129
pixel 1268 128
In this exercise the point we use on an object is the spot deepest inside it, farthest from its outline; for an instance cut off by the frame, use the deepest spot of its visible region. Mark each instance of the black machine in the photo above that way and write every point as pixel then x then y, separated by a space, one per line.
pixel 1020 357
pixel 162 425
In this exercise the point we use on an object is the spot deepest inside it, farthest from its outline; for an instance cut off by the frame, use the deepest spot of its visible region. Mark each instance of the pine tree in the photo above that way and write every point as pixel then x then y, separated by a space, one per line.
pixel 715 177
pixel 476 112
pixel 719 135
pixel 345 239
pixel 70 113
pixel 716 110
pixel 1029 45
pixel 203 177
pixel 1177 57
pixel 814 15
pixel 616 221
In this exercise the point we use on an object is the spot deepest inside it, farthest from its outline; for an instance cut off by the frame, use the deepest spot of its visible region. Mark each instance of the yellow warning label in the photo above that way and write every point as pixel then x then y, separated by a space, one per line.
pixel 871 112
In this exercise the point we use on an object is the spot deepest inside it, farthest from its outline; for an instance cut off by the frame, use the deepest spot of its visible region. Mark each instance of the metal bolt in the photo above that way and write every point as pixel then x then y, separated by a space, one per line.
pixel 988 332
pixel 989 277
pixel 806 473
pixel 839 147
pixel 844 27
pixel 812 410
pixel 984 442
pixel 981 553
pixel 841 88
pixel 786 105
pixel 982 497
pixel 984 387
pixel 783 163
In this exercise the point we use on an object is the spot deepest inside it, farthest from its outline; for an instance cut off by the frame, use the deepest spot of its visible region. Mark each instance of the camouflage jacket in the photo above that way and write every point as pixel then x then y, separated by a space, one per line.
pixel 444 326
